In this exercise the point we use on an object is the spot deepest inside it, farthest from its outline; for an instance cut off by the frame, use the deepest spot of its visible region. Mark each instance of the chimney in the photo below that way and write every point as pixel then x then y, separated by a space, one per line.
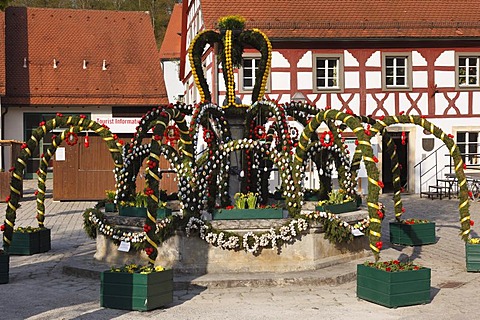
pixel 55 63
pixel 85 63
pixel 104 65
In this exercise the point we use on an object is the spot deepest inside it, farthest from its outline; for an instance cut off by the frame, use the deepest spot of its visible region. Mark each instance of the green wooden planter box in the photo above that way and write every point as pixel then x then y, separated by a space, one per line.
pixel 135 291
pixel 4 267
pixel 110 207
pixel 164 212
pixel 472 255
pixel 28 243
pixel 338 208
pixel 142 212
pixel 393 289
pixel 247 214
pixel 412 234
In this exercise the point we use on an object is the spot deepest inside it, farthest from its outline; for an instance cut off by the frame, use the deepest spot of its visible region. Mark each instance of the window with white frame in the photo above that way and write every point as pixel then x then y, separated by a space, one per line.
pixel 327 73
pixel 468 71
pixel 396 71
pixel 248 72
pixel 468 143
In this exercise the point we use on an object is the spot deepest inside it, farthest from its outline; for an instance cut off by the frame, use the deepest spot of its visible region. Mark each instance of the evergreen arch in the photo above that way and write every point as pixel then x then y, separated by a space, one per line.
pixel 76 124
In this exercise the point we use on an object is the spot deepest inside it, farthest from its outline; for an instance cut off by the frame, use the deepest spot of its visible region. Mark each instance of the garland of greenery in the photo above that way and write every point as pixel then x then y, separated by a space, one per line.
pixel 390 151
pixel 302 112
pixel 374 185
pixel 29 147
pixel 447 139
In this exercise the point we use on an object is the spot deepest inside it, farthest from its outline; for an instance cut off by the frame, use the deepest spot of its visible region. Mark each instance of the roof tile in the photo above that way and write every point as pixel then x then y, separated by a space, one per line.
pixel 36 37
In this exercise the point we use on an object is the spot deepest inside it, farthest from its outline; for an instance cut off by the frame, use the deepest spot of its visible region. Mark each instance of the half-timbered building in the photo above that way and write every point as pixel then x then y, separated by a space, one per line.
pixel 371 57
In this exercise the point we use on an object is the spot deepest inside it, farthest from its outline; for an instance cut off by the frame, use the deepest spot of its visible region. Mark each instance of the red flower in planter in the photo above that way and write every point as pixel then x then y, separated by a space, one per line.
pixel 59 114
pixel 41 124
pixel 230 207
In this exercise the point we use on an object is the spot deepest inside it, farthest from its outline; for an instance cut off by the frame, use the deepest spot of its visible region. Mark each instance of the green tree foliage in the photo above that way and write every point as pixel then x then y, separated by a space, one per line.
pixel 160 10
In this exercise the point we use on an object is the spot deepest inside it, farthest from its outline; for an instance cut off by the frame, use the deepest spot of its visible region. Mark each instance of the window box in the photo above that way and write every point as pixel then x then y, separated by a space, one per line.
pixel 393 289
pixel 412 234
pixel 110 207
pixel 247 214
pixel 472 256
pixel 28 243
pixel 136 291
pixel 142 212
pixel 4 267
pixel 338 208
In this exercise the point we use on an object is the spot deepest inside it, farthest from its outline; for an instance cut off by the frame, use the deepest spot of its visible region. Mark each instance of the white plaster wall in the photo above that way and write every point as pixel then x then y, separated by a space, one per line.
pixel 418 59
pixel 446 59
pixel 322 101
pixel 373 79
pixel 304 80
pixel 445 79
pixel 420 79
pixel 352 80
pixel 405 104
pixel 279 61
pixel 349 60
pixel 280 81
pixel 372 104
pixel 172 83
pixel 375 60
pixel 285 98
pixel 354 103
pixel 305 61
pixel 476 102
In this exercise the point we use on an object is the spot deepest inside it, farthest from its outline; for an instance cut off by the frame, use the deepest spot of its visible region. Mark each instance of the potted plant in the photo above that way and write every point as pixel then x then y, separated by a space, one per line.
pixel 4 266
pixel 393 283
pixel 311 194
pixel 472 254
pixel 134 287
pixel 338 202
pixel 241 212
pixel 30 240
pixel 163 211
pixel 412 232
pixel 138 207
pixel 110 201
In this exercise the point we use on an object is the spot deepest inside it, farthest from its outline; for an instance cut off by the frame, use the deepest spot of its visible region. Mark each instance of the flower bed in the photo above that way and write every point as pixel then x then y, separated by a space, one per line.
pixel 28 241
pixel 412 232
pixel 136 288
pixel 4 266
pixel 472 255
pixel 393 283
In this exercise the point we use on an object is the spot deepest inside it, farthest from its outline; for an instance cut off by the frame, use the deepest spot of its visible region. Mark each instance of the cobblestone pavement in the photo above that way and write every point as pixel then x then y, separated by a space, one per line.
pixel 38 289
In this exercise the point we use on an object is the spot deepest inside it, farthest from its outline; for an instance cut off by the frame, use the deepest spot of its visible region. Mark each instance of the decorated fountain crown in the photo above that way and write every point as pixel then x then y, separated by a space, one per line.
pixel 231 41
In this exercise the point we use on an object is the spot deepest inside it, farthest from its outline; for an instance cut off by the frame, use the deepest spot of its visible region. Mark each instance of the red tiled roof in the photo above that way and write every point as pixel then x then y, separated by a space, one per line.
pixel 35 37
pixel 350 19
pixel 2 53
pixel 170 48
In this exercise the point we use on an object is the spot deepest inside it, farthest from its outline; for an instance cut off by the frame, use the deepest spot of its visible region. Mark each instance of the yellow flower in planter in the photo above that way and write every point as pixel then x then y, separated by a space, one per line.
pixel 474 240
